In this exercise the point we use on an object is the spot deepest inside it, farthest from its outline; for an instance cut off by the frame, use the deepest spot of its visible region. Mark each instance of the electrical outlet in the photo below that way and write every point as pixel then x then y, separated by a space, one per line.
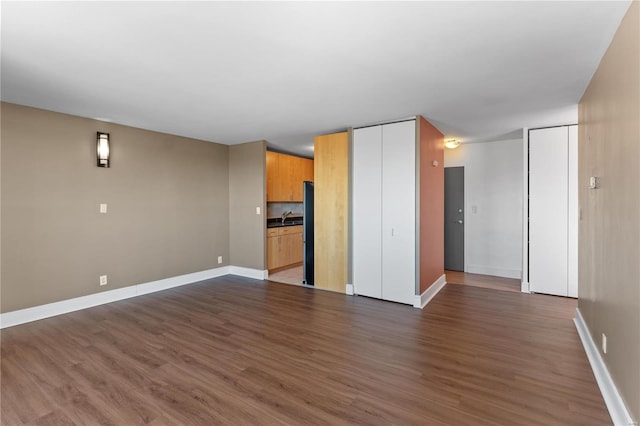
pixel 604 343
pixel 103 208
pixel 103 280
pixel 219 259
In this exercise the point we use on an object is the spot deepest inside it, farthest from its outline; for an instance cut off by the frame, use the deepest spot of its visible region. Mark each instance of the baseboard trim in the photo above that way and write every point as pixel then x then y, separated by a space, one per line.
pixel 615 404
pixel 422 300
pixel 256 274
pixel 349 289
pixel 496 272
pixel 21 316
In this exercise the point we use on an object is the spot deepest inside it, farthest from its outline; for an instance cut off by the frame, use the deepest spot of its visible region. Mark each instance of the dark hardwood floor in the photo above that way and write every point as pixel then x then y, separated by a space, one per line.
pixel 237 351
pixel 483 281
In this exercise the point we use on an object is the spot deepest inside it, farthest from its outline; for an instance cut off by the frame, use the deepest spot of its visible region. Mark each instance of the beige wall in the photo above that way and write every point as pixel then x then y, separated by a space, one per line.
pixel 609 260
pixel 247 190
pixel 167 196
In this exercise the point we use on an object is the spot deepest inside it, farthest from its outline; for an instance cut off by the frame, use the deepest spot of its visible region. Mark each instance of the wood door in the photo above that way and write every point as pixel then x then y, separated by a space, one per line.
pixel 331 211
pixel 548 210
pixel 367 211
pixel 399 212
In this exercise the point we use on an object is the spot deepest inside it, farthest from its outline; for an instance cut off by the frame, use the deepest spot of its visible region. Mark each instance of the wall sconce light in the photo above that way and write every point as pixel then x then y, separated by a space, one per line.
pixel 452 144
pixel 102 146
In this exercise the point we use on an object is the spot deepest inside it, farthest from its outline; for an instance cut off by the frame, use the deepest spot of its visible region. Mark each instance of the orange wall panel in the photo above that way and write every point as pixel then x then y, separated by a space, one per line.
pixel 431 204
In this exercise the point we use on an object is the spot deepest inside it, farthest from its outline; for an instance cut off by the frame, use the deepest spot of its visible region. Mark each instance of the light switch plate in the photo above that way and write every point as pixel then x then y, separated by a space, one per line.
pixel 103 208
pixel 257 210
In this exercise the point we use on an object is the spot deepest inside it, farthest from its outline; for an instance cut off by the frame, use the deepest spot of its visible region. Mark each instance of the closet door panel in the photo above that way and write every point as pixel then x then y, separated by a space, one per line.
pixel 367 211
pixel 548 210
pixel 572 245
pixel 398 211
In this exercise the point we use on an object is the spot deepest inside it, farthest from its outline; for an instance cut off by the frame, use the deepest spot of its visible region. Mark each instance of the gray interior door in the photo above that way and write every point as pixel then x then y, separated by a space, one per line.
pixel 454 218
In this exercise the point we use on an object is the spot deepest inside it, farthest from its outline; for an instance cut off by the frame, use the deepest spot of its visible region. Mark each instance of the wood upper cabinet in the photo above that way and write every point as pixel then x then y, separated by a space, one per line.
pixel 285 174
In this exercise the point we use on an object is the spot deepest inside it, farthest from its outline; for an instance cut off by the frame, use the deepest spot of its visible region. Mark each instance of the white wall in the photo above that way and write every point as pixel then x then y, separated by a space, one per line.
pixel 493 185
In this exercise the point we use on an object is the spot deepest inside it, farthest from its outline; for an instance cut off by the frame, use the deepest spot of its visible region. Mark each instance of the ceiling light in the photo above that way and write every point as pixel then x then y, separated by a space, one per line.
pixel 452 143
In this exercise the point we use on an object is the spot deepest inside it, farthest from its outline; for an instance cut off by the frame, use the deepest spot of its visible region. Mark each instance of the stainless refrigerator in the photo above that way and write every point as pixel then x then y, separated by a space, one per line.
pixel 307 233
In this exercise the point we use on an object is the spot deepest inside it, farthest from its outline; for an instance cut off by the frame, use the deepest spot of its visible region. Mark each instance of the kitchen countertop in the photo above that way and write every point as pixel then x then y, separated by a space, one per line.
pixel 276 222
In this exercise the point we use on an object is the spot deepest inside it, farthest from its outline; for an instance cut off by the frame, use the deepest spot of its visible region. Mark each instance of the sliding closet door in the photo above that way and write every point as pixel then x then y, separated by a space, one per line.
pixel 398 211
pixel 367 211
pixel 548 210
pixel 574 214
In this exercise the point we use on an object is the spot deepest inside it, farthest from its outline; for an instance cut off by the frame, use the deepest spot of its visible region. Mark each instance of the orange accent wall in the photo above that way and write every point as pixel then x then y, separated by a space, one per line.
pixel 431 204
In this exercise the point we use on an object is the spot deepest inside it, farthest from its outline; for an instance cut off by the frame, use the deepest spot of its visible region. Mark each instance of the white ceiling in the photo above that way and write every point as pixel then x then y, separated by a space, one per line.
pixel 233 72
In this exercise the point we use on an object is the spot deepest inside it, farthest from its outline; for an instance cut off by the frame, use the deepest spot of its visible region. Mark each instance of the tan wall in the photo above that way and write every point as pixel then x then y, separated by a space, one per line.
pixel 609 239
pixel 431 203
pixel 167 196
pixel 247 176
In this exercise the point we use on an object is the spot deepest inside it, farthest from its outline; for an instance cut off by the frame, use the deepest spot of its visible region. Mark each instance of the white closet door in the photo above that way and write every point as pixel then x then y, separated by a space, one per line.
pixel 367 211
pixel 572 244
pixel 548 210
pixel 398 211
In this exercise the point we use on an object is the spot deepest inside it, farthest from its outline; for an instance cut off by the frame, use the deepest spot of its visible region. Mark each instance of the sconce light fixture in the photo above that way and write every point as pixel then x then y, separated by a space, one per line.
pixel 452 144
pixel 102 146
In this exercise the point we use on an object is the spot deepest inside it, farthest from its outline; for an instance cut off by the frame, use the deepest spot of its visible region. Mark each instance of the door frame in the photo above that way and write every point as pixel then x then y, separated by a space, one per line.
pixel 466 204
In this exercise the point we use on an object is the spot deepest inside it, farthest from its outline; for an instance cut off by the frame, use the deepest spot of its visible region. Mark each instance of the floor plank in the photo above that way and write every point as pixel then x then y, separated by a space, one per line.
pixel 239 351
pixel 483 281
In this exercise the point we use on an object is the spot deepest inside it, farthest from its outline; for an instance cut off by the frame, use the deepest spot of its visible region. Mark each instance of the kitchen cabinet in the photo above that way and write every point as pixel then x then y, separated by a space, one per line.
pixel 284 247
pixel 285 174
pixel 384 211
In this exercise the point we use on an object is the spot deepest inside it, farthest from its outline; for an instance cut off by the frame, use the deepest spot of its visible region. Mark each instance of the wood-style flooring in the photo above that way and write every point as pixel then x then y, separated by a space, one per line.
pixel 236 351
pixel 483 281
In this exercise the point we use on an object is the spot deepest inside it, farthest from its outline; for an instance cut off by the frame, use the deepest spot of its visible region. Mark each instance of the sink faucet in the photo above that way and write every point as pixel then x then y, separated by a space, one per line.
pixel 285 215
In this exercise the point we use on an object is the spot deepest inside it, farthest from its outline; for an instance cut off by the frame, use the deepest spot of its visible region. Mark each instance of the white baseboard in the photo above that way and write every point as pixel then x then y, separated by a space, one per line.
pixel 164 284
pixel 615 404
pixel 496 272
pixel 9 319
pixel 524 286
pixel 349 289
pixel 422 300
pixel 256 274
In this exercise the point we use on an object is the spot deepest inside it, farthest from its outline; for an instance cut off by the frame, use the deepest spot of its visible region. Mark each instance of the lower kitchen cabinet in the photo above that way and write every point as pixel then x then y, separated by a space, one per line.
pixel 284 247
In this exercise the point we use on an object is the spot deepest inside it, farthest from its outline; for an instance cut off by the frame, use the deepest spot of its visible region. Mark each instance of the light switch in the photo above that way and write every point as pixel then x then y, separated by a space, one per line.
pixel 103 208
pixel 474 209
pixel 593 182
pixel 257 210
